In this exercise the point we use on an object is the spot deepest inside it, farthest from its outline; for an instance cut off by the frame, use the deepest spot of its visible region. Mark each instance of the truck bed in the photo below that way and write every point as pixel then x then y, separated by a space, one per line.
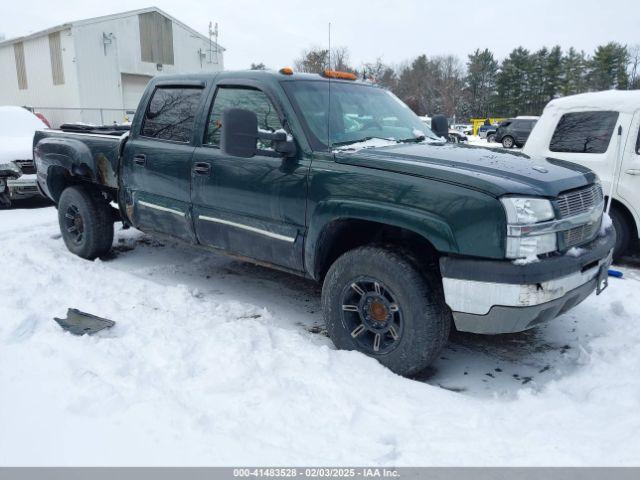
pixel 89 153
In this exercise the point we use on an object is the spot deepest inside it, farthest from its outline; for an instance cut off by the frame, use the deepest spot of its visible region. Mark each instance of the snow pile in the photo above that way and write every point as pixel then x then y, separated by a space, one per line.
pixel 211 363
pixel 606 224
pixel 531 258
pixel 369 143
pixel 576 252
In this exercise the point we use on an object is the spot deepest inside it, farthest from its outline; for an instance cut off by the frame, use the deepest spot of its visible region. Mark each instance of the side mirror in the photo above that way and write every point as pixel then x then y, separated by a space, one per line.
pixel 440 125
pixel 239 134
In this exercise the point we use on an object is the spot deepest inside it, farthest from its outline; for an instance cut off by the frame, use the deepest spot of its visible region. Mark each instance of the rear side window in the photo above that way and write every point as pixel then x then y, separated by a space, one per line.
pixel 171 114
pixel 584 132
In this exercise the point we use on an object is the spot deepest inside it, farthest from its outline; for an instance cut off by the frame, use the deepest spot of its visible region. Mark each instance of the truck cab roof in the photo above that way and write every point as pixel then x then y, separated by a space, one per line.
pixel 615 100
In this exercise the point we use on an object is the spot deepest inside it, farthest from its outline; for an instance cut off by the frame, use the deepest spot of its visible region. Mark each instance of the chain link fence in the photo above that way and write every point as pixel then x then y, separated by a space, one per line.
pixel 94 116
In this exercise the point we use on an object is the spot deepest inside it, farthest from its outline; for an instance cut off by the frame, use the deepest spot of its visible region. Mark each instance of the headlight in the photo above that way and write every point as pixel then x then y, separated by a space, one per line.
pixel 528 211
pixel 525 211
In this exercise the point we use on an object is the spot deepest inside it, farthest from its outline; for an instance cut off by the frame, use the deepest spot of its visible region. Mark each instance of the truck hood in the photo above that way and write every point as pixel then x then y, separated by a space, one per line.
pixel 494 171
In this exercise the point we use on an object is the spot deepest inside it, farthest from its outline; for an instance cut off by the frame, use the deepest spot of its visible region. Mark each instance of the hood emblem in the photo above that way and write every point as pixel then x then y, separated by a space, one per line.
pixel 540 169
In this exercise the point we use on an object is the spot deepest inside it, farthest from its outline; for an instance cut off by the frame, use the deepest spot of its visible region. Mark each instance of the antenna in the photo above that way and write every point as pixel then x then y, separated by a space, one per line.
pixel 329 107
pixel 213 34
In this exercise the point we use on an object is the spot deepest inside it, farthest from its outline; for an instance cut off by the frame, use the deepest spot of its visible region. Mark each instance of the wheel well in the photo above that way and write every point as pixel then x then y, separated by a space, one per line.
pixel 343 235
pixel 628 216
pixel 59 178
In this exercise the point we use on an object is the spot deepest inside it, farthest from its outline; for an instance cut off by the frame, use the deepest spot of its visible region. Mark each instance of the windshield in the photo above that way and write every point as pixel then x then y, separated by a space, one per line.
pixel 358 113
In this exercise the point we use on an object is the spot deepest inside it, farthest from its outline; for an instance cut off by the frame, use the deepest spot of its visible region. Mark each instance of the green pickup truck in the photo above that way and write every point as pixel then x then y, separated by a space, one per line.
pixel 338 181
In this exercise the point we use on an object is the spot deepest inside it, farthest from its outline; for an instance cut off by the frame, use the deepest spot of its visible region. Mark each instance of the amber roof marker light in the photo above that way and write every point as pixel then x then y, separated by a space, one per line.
pixel 339 75
pixel 286 71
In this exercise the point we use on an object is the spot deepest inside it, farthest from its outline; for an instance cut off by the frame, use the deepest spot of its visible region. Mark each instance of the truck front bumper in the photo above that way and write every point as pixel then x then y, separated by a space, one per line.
pixel 23 187
pixel 492 297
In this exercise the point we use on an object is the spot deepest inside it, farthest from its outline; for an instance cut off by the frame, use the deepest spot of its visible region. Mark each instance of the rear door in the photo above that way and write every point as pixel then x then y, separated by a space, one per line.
pixel 519 130
pixel 252 207
pixel 156 166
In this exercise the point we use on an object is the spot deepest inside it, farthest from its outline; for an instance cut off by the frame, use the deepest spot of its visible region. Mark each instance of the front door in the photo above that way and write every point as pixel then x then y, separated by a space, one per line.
pixel 157 163
pixel 629 177
pixel 252 207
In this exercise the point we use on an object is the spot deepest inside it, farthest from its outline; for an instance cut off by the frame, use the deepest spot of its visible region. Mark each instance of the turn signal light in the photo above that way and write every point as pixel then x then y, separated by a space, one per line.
pixel 339 75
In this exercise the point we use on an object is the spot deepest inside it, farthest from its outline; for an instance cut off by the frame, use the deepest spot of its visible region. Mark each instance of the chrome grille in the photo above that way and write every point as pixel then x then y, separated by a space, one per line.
pixel 579 201
pixel 579 235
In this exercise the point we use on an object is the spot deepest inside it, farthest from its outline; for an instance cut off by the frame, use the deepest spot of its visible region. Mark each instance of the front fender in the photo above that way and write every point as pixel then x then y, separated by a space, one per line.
pixel 428 225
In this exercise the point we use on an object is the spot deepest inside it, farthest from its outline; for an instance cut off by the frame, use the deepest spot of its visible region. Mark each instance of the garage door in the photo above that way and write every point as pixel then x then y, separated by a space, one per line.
pixel 132 89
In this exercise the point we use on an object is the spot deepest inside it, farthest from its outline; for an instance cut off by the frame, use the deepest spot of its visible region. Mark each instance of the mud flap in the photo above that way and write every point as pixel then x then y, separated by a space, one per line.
pixel 79 323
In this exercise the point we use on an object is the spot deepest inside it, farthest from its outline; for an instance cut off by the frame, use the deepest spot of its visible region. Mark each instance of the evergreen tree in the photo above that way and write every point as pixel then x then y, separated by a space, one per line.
pixel 609 67
pixel 482 70
pixel 553 75
pixel 574 72
pixel 513 83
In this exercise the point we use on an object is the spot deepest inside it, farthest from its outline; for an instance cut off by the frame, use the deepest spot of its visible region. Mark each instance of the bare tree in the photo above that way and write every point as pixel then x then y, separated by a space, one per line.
pixel 316 60
pixel 313 60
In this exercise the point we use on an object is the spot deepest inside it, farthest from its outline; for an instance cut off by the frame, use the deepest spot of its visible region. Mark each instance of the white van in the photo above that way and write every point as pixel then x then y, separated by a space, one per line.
pixel 601 131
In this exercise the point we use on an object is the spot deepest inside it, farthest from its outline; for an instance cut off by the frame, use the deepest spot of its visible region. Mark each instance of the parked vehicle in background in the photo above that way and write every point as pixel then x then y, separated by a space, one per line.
pixel 600 131
pixel 514 132
pixel 17 128
pixel 340 182
pixel 487 131
pixel 464 128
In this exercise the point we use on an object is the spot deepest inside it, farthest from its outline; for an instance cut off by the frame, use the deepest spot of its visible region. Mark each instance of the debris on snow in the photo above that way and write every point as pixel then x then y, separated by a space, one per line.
pixel 81 323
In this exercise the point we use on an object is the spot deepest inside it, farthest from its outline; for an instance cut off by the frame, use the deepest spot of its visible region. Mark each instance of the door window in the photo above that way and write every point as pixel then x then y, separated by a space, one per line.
pixel 171 113
pixel 584 132
pixel 248 99
pixel 638 143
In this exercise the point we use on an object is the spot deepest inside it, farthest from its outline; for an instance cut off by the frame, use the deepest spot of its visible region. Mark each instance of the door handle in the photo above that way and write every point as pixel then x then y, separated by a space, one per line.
pixel 633 171
pixel 140 159
pixel 202 168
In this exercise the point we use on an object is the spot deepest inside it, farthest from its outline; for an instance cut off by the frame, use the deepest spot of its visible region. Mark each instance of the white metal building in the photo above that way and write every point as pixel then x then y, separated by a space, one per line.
pixel 95 70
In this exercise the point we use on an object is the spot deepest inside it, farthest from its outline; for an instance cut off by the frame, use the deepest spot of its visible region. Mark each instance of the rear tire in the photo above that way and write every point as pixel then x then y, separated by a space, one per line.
pixel 86 222
pixel 491 138
pixel 373 295
pixel 508 142
pixel 623 233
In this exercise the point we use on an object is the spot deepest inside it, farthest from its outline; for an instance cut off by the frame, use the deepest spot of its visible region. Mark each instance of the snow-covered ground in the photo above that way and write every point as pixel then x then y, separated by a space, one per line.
pixel 216 362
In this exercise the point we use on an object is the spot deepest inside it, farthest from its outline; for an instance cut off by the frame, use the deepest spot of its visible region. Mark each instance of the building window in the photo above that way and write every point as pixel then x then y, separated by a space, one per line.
pixel 21 69
pixel 584 132
pixel 55 52
pixel 156 38
pixel 171 114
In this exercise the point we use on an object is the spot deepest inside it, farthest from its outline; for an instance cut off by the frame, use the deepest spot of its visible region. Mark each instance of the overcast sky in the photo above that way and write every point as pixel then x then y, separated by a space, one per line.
pixel 275 32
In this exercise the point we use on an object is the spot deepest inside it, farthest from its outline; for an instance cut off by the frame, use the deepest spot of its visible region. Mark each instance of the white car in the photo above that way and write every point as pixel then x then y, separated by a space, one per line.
pixel 600 131
pixel 17 127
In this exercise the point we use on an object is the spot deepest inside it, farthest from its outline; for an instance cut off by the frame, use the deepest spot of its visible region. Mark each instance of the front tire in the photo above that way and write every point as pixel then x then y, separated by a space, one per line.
pixel 377 302
pixel 491 138
pixel 86 222
pixel 623 233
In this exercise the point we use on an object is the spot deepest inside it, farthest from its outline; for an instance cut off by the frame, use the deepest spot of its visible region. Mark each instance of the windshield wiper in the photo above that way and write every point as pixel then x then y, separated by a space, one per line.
pixel 360 140
pixel 419 139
